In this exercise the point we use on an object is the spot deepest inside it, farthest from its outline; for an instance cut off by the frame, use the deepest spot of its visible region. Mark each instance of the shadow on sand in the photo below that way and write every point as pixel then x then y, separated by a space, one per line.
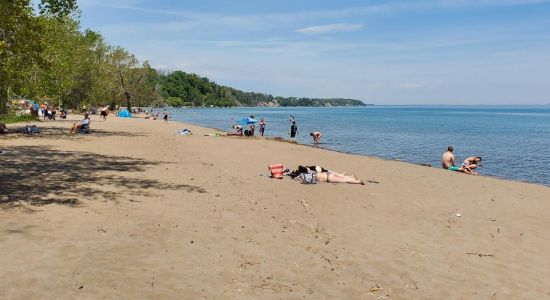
pixel 41 175
pixel 59 133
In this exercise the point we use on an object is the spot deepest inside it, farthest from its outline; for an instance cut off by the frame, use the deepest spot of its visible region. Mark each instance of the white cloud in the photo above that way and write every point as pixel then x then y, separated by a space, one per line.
pixel 330 28
pixel 408 85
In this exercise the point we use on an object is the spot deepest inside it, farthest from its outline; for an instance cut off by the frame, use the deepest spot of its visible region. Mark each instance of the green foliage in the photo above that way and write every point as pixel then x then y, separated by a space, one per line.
pixel 22 43
pixel 175 102
pixel 8 119
pixel 57 7
pixel 202 92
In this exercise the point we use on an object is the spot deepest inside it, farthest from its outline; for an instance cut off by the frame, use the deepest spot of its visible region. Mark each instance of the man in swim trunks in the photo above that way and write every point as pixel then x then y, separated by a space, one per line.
pixel 448 159
pixel 316 135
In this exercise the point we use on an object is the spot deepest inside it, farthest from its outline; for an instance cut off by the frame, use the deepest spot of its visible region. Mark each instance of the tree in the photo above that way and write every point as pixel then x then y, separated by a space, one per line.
pixel 21 43
pixel 136 83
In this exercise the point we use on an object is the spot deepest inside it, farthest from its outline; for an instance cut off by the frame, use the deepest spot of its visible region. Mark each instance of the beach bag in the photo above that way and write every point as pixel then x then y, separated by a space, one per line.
pixel 276 171
pixel 309 178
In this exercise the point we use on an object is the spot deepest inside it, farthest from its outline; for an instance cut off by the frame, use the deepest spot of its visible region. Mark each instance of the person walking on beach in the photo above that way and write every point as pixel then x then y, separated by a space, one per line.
pixel 165 117
pixel 316 135
pixel 104 112
pixel 448 158
pixel 262 126
pixel 293 131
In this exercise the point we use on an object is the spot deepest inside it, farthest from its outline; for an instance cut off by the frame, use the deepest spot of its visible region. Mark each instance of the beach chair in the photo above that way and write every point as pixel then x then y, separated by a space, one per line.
pixel 84 129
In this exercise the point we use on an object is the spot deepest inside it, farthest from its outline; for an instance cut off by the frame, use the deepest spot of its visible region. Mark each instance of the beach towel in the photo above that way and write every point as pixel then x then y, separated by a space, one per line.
pixel 276 171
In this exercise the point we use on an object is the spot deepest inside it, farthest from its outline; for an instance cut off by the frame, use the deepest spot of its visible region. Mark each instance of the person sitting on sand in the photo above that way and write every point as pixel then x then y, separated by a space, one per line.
pixel 472 162
pixel 316 135
pixel 237 130
pixel 448 159
pixel 461 169
pixel 84 124
pixel 311 174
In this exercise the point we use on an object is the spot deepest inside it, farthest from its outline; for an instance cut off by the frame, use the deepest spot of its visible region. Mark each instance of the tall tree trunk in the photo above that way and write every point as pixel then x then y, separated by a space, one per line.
pixel 128 102
pixel 126 93
pixel 3 99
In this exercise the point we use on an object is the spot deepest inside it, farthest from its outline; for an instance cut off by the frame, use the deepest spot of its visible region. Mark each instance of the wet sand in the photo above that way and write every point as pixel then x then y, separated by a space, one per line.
pixel 134 211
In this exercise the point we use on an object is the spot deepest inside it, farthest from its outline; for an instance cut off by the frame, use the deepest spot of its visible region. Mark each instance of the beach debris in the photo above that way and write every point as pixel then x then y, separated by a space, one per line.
pixel 304 204
pixel 480 254
pixel 492 219
pixel 458 215
pixel 274 287
pixel 375 288
pixel 153 282
pixel 373 181
pixel 99 228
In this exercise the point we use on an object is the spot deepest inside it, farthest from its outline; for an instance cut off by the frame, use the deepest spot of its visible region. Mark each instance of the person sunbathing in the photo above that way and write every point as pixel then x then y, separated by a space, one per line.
pixel 312 174
pixel 82 125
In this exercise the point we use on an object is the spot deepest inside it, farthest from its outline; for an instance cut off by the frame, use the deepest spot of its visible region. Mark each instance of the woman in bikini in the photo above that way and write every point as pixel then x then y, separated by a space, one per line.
pixel 318 173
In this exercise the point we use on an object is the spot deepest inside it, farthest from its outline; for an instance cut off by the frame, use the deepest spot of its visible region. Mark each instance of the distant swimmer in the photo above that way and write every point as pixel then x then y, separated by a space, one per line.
pixel 448 159
pixel 316 135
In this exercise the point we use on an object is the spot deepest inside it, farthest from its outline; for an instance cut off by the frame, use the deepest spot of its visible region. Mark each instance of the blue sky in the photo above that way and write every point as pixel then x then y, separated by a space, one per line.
pixel 382 52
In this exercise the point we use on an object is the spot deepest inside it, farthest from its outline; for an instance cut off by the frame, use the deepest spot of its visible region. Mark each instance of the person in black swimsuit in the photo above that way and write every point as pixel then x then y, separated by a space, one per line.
pixel 324 175
pixel 293 131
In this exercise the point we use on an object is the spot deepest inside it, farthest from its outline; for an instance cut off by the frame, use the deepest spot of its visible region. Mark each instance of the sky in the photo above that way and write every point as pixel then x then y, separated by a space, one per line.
pixel 382 52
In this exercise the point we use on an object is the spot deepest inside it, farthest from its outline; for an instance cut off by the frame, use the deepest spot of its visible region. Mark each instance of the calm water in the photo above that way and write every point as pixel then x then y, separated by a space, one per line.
pixel 513 141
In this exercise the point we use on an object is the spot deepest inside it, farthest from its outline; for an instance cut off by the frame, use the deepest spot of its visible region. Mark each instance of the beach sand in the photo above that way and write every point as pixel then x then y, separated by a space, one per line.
pixel 134 211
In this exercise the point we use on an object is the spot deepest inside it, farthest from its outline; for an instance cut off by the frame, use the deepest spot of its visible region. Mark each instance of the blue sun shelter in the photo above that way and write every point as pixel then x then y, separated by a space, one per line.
pixel 124 114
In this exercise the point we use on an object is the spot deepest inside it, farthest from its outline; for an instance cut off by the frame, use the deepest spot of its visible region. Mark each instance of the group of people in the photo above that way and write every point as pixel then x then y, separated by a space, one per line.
pixel 48 112
pixel 238 130
pixel 154 116
pixel 468 165
pixel 316 135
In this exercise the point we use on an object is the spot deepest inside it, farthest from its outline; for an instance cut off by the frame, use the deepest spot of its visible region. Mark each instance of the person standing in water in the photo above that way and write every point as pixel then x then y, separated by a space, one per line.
pixel 316 135
pixel 293 131
pixel 262 126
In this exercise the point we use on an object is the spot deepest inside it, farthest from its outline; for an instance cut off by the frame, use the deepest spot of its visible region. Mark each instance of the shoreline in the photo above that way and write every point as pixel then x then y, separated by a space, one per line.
pixel 133 210
pixel 281 139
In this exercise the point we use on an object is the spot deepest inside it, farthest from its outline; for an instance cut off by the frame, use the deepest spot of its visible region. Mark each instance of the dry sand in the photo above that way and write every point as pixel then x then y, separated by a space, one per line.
pixel 134 211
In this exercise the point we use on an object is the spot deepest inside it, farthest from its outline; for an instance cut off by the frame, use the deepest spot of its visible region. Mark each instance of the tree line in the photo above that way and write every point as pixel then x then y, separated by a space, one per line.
pixel 46 56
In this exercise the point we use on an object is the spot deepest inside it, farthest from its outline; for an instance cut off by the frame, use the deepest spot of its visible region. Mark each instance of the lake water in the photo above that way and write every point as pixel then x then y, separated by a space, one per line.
pixel 512 140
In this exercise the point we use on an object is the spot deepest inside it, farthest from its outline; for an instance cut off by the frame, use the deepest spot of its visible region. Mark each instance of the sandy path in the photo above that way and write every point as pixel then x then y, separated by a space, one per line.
pixel 134 211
